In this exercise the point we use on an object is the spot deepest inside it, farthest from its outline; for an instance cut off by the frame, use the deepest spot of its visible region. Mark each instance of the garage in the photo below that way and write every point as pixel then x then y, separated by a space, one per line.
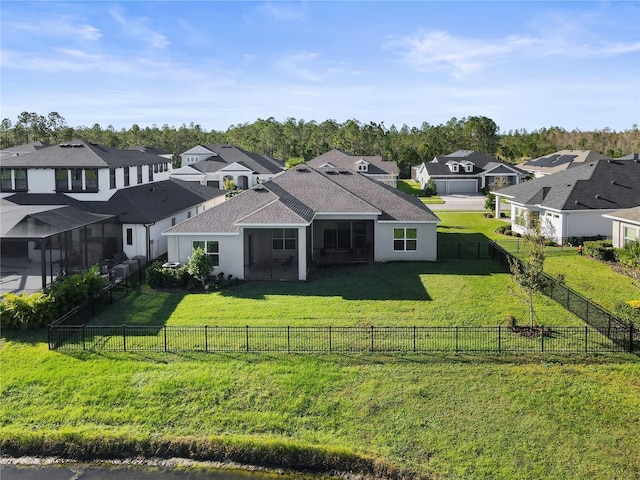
pixel 460 186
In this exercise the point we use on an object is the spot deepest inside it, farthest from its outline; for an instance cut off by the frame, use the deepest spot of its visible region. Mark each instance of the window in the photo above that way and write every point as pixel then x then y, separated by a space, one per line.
pixel 139 174
pixel 129 236
pixel 5 180
pixel 76 179
pixel 173 221
pixel 155 168
pixel 127 182
pixel 62 179
pixel 189 214
pixel 284 238
pixel 112 178
pixel 337 235
pixel 631 235
pixel 91 179
pixel 13 179
pixel 211 248
pixel 405 239
pixel 151 173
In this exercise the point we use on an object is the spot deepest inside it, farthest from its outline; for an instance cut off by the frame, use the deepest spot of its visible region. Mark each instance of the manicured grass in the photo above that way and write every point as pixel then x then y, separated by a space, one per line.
pixel 433 416
pixel 468 227
pixel 447 292
pixel 413 188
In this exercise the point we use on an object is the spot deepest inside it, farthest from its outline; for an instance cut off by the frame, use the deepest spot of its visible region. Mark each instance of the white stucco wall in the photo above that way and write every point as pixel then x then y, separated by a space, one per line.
pixel 427 247
pixel 230 248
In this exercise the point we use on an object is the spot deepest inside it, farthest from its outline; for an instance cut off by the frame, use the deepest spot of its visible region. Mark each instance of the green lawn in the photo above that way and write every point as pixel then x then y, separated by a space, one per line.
pixel 413 188
pixel 433 416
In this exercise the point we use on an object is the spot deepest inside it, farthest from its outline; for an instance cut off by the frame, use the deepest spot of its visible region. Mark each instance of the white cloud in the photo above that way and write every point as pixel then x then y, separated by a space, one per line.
pixel 136 27
pixel 58 26
pixel 297 65
pixel 283 13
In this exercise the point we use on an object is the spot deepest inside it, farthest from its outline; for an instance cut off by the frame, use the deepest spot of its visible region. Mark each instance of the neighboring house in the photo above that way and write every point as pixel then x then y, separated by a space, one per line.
pixel 154 151
pixel 626 226
pixel 572 203
pixel 559 161
pixel 371 166
pixel 308 217
pixel 466 172
pixel 130 185
pixel 82 170
pixel 217 163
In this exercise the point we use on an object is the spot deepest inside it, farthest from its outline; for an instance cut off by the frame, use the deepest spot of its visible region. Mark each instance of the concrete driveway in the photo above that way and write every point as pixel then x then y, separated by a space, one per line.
pixel 472 203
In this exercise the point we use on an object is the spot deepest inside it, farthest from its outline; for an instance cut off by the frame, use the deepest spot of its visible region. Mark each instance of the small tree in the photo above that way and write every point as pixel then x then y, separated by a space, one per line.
pixel 229 184
pixel 527 271
pixel 200 265
pixel 430 188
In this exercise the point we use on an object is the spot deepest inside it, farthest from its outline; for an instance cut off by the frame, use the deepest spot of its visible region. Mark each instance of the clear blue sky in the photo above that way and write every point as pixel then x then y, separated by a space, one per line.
pixel 528 65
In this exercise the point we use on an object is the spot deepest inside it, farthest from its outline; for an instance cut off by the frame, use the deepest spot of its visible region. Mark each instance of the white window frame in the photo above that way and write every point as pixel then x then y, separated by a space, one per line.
pixel 405 239
pixel 210 247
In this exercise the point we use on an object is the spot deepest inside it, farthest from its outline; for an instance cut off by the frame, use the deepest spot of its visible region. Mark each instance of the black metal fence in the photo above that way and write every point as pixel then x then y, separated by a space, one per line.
pixel 117 289
pixel 251 339
pixel 591 313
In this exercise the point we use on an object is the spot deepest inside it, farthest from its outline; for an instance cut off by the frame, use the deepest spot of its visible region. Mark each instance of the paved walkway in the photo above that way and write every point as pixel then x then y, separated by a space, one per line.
pixel 474 203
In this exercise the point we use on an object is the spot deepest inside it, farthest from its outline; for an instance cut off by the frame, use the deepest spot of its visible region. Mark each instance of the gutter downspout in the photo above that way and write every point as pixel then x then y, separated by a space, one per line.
pixel 148 226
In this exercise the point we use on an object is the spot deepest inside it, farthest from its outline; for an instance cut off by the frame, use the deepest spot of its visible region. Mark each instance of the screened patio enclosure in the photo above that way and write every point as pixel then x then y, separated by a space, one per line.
pixel 271 254
pixel 45 241
pixel 342 241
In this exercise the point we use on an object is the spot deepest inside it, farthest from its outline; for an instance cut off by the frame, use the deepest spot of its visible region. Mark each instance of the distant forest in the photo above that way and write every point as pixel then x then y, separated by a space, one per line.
pixel 295 140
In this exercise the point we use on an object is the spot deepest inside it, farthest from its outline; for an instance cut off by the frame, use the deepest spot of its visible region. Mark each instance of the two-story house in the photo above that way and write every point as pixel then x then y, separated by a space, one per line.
pixel 371 166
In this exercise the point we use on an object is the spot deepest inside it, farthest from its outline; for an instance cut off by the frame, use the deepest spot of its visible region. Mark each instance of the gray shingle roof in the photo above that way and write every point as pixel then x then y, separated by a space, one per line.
pixel 481 163
pixel 296 196
pixel 630 215
pixel 140 204
pixel 340 159
pixel 81 154
pixel 597 185
pixel 228 154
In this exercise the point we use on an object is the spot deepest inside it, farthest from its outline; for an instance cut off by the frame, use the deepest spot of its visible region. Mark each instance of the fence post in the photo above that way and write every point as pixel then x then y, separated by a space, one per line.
pixel 586 338
pixel 330 340
pixel 206 339
pixel 83 336
pixel 124 337
pixel 456 338
pixel 630 337
pixel 415 347
pixel 499 338
pixel 247 336
pixel 587 319
pixel 542 338
pixel 372 348
pixel 164 328
pixel 49 335
pixel 288 339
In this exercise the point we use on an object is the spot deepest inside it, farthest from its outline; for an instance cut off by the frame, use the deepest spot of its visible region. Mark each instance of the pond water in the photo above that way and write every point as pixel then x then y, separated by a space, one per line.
pixel 73 471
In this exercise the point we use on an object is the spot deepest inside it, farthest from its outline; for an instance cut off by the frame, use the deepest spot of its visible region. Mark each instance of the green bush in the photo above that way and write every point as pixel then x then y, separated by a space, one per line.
pixel 158 277
pixel 600 250
pixel 22 311
pixel 629 312
pixel 430 187
pixel 69 291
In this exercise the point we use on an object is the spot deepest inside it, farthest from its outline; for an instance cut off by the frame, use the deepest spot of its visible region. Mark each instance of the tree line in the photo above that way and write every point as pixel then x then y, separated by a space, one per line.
pixel 296 140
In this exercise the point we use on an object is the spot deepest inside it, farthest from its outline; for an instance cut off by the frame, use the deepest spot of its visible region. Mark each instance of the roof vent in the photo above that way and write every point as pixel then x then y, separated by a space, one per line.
pixel 303 170
pixel 597 196
pixel 332 172
pixel 344 172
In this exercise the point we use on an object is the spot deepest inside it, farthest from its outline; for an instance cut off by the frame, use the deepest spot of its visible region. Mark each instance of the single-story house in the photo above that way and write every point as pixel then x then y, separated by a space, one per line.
pixel 559 161
pixel 626 226
pixel 372 166
pixel 466 172
pixel 576 202
pixel 306 217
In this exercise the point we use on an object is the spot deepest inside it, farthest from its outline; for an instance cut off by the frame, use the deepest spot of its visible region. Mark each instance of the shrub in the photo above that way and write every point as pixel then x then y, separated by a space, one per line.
pixel 629 312
pixel 501 229
pixel 69 291
pixel 158 277
pixel 430 187
pixel 22 311
pixel 600 250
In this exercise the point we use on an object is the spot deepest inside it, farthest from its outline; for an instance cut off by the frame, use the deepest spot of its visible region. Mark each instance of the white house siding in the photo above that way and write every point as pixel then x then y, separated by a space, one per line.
pixel 618 238
pixel 588 224
pixel 427 248
pixel 230 248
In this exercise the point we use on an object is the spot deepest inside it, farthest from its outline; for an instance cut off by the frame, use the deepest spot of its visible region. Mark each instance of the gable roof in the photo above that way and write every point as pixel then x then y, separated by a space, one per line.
pixel 140 204
pixel 301 193
pixel 597 185
pixel 224 154
pixel 81 154
pixel 481 162
pixel 339 159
